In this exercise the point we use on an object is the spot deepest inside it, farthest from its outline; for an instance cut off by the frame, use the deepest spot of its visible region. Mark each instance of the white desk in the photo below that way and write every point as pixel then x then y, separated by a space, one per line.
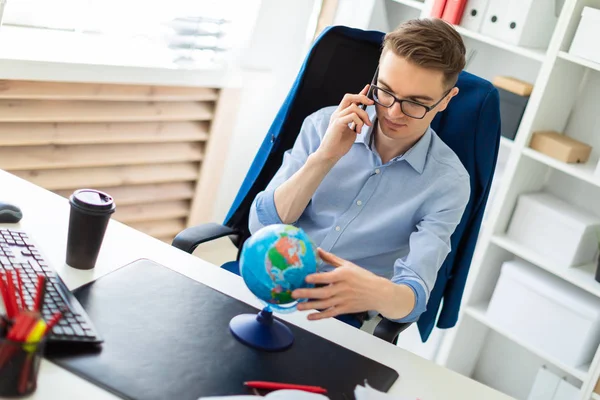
pixel 46 220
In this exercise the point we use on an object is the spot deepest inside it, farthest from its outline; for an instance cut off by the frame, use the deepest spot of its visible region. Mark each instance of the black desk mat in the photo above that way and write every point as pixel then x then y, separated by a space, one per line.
pixel 167 337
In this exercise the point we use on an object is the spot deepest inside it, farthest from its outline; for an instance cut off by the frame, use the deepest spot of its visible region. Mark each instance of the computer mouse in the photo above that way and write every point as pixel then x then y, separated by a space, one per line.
pixel 9 213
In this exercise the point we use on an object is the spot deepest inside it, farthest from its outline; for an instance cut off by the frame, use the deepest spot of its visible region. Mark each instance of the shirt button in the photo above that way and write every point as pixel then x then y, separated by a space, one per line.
pixel 358 203
pixel 377 171
pixel 337 228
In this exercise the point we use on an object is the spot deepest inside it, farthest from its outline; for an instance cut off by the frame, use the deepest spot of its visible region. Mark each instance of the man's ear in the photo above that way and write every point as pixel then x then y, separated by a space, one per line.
pixel 447 99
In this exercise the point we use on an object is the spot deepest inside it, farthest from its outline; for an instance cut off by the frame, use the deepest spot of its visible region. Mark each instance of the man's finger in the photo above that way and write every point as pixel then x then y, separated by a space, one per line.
pixel 317 304
pixel 330 259
pixel 323 277
pixel 314 293
pixel 329 313
pixel 360 98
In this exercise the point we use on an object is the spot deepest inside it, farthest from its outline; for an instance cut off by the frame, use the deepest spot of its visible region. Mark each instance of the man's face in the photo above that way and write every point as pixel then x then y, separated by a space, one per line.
pixel 409 81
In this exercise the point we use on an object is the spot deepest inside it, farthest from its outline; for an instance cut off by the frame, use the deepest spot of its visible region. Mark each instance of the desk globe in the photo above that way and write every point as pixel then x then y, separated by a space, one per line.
pixel 273 263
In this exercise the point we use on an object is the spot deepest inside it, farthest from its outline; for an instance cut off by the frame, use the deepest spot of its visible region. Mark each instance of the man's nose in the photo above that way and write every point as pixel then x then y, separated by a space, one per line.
pixel 395 111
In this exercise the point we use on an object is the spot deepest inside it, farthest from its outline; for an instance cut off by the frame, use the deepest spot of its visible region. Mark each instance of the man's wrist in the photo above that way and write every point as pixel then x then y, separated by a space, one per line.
pixel 322 159
pixel 393 300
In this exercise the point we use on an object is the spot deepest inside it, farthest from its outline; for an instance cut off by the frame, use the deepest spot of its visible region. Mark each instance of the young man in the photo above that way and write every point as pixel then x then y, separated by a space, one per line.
pixel 386 198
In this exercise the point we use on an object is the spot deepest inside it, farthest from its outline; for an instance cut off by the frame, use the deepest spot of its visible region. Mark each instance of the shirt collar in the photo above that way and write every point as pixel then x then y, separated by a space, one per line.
pixel 415 156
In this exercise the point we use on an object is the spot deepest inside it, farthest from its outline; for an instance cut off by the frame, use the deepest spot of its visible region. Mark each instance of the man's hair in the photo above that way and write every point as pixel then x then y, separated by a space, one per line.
pixel 430 43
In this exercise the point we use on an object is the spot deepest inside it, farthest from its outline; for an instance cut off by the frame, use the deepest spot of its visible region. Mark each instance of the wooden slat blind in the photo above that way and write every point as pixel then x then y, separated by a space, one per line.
pixel 93 91
pixel 32 134
pixel 145 145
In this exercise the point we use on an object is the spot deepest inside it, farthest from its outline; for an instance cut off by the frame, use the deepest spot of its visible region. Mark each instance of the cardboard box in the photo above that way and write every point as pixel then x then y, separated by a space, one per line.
pixel 585 41
pixel 513 85
pixel 546 312
pixel 562 234
pixel 597 389
pixel 561 147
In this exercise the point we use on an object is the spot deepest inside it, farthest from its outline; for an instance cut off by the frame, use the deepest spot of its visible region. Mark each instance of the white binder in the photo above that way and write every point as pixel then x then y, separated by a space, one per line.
pixel 566 391
pixel 495 18
pixel 544 386
pixel 527 23
pixel 474 13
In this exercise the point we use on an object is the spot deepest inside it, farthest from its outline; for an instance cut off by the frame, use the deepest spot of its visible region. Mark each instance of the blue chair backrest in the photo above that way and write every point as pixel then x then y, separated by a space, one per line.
pixel 342 60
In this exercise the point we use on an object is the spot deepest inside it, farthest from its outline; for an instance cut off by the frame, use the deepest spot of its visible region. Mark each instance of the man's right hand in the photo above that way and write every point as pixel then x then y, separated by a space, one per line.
pixel 339 137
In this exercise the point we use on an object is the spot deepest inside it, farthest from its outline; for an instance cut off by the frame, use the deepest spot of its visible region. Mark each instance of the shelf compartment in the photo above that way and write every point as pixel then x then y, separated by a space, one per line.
pixel 478 312
pixel 584 172
pixel 581 276
pixel 579 61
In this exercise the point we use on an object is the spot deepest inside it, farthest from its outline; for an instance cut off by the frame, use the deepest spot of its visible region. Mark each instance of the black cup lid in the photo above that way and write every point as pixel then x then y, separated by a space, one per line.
pixel 92 200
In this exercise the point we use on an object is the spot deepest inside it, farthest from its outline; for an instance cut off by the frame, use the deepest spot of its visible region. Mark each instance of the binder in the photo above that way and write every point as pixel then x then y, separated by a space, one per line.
pixel 527 23
pixel 494 18
pixel 566 391
pixel 544 386
pixel 454 10
pixel 473 14
pixel 438 8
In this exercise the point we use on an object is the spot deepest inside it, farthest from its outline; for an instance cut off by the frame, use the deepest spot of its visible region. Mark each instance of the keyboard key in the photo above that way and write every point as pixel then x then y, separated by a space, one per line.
pixel 68 330
pixel 58 330
pixel 78 331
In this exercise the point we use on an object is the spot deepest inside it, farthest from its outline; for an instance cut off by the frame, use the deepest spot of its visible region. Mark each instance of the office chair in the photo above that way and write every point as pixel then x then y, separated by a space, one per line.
pixel 342 60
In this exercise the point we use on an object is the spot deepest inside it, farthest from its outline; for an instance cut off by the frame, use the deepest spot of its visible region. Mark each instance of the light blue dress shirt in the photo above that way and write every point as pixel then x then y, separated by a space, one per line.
pixel 394 219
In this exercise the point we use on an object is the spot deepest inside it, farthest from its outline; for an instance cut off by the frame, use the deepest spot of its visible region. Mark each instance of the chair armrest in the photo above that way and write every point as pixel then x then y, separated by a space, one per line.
pixel 188 239
pixel 389 331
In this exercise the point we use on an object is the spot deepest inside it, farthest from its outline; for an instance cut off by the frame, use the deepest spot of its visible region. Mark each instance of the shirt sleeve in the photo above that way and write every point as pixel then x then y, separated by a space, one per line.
pixel 263 211
pixel 429 244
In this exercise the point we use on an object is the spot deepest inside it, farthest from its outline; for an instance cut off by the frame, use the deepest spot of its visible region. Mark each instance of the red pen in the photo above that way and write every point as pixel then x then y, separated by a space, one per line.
pixel 277 386
pixel 21 294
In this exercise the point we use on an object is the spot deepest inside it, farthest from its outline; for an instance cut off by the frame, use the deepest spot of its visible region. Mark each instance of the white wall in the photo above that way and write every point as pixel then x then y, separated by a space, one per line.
pixel 282 35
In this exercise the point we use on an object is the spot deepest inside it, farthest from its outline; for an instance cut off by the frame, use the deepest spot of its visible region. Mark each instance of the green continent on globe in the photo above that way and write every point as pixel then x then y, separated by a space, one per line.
pixel 282 296
pixel 277 259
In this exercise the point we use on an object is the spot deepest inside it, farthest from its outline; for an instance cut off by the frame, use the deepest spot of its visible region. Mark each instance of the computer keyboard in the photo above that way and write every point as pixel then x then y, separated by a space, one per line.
pixel 17 251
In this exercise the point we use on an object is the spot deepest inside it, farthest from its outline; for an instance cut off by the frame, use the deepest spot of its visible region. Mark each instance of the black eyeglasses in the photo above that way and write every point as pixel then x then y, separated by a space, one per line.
pixel 409 108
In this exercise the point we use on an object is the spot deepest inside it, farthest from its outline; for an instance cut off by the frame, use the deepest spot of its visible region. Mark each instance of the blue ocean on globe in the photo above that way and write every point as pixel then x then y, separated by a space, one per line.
pixel 275 261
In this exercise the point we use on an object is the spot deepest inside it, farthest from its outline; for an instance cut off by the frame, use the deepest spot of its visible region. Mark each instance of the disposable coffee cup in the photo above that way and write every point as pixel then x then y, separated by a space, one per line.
pixel 90 212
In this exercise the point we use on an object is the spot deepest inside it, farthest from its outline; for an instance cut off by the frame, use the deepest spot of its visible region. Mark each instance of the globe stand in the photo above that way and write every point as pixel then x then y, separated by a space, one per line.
pixel 261 331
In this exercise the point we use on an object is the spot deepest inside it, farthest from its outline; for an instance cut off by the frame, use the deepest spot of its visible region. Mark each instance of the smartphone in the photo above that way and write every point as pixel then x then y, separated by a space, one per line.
pixel 369 93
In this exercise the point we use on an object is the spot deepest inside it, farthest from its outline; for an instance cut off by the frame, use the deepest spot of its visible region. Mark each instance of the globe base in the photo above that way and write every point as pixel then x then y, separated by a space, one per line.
pixel 261 331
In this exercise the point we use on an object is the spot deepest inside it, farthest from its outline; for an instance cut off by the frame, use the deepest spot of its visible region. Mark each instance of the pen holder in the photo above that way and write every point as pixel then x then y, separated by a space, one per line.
pixel 19 365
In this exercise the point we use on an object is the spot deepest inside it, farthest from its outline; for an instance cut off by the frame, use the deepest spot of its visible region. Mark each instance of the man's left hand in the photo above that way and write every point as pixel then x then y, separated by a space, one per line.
pixel 350 289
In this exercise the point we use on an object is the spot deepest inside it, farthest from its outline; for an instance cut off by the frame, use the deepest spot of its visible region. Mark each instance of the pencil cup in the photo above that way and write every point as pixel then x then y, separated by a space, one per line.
pixel 19 366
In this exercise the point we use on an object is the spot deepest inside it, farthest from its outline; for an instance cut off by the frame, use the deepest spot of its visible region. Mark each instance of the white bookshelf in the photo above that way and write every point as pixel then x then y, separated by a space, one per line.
pixel 563 86
pixel 564 99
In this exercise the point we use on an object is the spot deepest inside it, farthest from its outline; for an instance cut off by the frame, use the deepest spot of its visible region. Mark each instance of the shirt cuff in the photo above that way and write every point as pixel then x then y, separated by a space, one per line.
pixel 420 301
pixel 265 209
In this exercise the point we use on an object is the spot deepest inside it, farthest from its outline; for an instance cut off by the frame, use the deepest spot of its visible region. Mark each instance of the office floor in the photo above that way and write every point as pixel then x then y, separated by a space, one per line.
pixel 217 251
